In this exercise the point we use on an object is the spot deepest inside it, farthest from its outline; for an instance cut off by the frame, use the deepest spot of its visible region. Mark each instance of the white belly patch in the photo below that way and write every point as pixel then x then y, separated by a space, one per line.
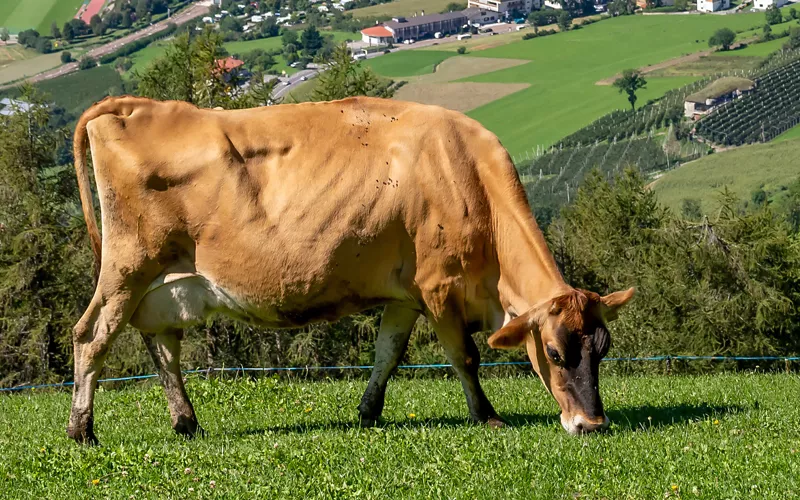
pixel 182 299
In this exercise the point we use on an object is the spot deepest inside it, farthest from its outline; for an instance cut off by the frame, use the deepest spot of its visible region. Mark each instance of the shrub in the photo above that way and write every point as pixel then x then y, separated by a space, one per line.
pixel 462 50
pixel 66 57
pixel 87 62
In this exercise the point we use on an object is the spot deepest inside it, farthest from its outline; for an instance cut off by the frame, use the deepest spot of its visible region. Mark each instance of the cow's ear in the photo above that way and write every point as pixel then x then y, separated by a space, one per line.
pixel 614 301
pixel 513 334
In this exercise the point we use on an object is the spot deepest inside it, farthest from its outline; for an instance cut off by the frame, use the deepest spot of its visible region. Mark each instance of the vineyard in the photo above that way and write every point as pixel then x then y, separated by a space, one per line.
pixel 668 110
pixel 760 116
pixel 551 180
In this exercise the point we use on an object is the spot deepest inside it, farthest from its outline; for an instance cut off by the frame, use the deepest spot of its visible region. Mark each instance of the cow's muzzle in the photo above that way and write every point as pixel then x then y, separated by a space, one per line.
pixel 579 424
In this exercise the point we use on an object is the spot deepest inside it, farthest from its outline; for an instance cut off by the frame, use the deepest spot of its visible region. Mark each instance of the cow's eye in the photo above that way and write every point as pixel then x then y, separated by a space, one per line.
pixel 553 354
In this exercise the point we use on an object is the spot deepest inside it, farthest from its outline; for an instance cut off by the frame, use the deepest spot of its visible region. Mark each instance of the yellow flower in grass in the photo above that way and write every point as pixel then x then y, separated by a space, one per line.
pixel 95 482
pixel 412 415
pixel 674 487
pixel 716 422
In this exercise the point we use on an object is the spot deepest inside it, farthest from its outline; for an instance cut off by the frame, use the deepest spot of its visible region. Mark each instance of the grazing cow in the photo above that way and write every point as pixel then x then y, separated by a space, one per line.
pixel 287 215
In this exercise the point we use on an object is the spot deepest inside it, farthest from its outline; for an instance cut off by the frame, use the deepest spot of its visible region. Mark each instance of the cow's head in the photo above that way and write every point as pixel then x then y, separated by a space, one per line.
pixel 566 338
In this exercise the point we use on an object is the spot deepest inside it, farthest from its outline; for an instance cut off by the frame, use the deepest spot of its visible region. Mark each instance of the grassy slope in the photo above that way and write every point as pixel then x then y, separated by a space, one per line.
pixel 29 67
pixel 792 133
pixel 407 63
pixel 692 437
pixel 742 170
pixel 19 15
pixel 401 8
pixel 564 67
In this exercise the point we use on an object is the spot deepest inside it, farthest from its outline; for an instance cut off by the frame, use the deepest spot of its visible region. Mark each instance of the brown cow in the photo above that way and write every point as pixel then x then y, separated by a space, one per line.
pixel 287 215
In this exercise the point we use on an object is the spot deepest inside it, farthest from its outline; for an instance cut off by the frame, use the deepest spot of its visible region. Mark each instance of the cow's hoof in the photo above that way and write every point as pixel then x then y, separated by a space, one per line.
pixel 367 422
pixel 83 437
pixel 496 423
pixel 188 428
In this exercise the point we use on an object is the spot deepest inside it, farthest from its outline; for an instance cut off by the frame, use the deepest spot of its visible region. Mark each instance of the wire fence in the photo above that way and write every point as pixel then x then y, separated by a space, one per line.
pixel 207 371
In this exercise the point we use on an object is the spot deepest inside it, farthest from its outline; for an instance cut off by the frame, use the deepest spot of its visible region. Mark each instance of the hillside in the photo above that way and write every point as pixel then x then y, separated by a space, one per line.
pixel 770 167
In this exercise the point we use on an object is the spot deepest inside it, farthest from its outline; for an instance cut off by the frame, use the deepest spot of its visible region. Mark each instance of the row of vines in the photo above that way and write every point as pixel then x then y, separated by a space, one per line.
pixel 760 116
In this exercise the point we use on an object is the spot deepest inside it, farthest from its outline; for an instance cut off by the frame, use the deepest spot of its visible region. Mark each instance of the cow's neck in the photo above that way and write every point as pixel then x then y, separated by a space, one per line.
pixel 528 271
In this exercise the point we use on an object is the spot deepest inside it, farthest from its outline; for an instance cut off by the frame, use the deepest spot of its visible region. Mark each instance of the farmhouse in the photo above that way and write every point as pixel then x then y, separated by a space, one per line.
pixel 377 35
pixel 505 8
pixel 713 5
pixel 401 28
pixel 717 93
pixel 765 4
pixel 480 17
pixel 233 69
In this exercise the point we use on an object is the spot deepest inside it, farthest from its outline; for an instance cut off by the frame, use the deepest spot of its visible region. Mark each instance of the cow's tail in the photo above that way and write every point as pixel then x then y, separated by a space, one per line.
pixel 80 144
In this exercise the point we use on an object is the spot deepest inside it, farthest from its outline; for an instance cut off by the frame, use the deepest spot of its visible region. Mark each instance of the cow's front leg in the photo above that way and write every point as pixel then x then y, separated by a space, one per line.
pixel 396 325
pixel 165 349
pixel 463 354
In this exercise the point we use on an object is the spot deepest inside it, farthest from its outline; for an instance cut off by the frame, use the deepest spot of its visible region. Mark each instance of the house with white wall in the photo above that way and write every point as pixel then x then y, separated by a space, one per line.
pixel 713 5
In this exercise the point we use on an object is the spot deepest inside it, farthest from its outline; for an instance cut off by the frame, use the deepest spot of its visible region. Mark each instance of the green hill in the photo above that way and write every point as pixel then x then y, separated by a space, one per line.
pixel 770 167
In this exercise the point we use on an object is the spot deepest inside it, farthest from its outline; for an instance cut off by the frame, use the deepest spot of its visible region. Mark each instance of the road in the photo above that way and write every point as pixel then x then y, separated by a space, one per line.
pixel 182 17
pixel 286 85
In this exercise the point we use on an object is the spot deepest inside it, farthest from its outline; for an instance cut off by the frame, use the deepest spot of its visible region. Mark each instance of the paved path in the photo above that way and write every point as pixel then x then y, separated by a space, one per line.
pixel 182 17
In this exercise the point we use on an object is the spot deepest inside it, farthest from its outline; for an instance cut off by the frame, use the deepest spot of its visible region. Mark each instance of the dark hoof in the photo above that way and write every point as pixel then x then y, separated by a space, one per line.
pixel 83 437
pixel 367 422
pixel 188 428
pixel 496 423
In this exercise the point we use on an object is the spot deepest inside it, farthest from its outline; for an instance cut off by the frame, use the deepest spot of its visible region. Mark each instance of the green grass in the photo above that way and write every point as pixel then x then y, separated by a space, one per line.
pixel 769 166
pixel 755 49
pixel 563 96
pixel 29 67
pixel 78 91
pixel 679 437
pixel 407 62
pixel 792 133
pixel 401 8
pixel 19 15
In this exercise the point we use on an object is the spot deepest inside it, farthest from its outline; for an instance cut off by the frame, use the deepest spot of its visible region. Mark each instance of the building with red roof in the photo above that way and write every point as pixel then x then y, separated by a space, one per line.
pixel 377 35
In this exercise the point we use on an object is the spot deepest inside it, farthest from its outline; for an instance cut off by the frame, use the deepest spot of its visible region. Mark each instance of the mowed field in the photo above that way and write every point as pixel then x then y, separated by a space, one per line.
pixel 401 8
pixel 19 15
pixel 561 95
pixel 713 437
pixel 770 166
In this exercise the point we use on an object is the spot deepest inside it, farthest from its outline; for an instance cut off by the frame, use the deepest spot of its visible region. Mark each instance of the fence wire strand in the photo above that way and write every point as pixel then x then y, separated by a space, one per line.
pixel 278 369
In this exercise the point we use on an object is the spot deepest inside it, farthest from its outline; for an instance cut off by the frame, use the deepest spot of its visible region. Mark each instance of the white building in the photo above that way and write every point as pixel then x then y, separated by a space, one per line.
pixel 10 107
pixel 765 4
pixel 714 5
pixel 505 7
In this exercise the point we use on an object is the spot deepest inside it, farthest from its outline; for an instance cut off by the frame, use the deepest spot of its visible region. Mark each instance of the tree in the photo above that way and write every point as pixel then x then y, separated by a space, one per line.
pixel 44 45
pixel 43 253
pixel 142 9
pixel 94 22
pixel 723 37
pixel 87 62
pixel 126 22
pixel 67 32
pixel 767 35
pixel 4 36
pixel 99 29
pixel 773 14
pixel 345 78
pixel 630 82
pixel 462 50
pixel 622 7
pixel 28 38
pixel 454 7
pixel 54 31
pixel 564 20
pixel 312 41
pixel 793 13
pixel 681 5
pixel 794 38
pixel 66 57
pixel 79 27
pixel 269 28
pixel 289 37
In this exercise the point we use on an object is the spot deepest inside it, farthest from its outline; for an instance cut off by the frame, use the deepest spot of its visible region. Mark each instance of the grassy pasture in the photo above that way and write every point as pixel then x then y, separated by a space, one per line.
pixel 792 133
pixel 401 8
pixel 19 15
pixel 407 63
pixel 28 67
pixel 742 170
pixel 671 437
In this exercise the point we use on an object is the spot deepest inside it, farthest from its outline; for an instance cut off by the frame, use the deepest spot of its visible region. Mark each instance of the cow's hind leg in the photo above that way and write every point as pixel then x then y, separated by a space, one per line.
pixel 165 349
pixel 463 354
pixel 396 325
pixel 104 319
